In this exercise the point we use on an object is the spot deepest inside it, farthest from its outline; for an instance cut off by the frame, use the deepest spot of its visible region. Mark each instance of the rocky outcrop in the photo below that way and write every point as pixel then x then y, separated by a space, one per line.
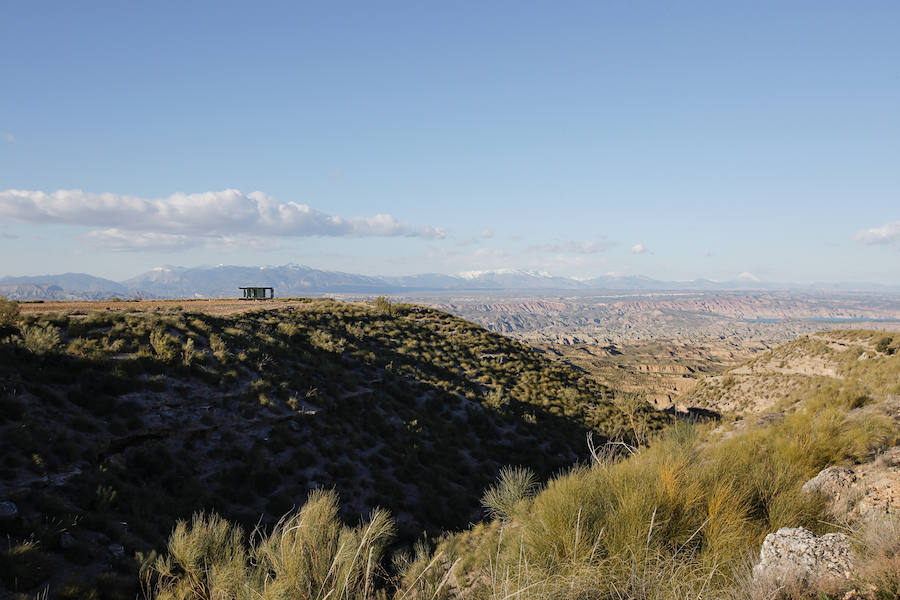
pixel 835 482
pixel 863 491
pixel 795 557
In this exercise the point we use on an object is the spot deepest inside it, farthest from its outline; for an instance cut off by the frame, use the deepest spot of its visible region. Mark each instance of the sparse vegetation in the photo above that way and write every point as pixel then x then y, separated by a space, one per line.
pixel 855 363
pixel 143 418
pixel 416 412
pixel 673 519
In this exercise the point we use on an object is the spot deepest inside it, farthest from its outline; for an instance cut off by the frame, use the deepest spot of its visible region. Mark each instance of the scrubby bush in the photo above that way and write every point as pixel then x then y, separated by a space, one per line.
pixel 9 312
pixel 41 339
pixel 218 347
pixel 88 348
pixel 189 354
pixel 164 345
pixel 383 305
pixel 288 328
pixel 327 342
pixel 883 345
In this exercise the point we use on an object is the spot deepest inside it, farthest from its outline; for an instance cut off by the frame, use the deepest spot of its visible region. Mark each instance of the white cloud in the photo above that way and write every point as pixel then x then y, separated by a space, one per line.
pixel 476 239
pixel 218 215
pixel 889 233
pixel 117 240
pixel 572 260
pixel 242 243
pixel 8 136
pixel 747 276
pixel 490 253
pixel 638 249
pixel 589 247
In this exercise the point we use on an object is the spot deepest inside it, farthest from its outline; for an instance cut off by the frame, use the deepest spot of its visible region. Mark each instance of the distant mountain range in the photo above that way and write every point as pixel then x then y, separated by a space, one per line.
pixel 297 280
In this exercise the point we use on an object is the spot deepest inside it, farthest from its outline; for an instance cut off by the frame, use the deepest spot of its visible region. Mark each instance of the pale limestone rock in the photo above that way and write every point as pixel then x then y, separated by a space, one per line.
pixel 794 556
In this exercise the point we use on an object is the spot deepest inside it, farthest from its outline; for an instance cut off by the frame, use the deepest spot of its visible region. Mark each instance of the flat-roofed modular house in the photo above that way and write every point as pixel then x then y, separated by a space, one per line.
pixel 257 293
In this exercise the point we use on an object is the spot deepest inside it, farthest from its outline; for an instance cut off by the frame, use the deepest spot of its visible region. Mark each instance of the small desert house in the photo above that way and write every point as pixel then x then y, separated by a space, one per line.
pixel 257 293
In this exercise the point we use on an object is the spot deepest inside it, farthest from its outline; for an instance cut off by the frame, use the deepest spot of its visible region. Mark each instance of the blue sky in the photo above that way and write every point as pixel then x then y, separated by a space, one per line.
pixel 674 140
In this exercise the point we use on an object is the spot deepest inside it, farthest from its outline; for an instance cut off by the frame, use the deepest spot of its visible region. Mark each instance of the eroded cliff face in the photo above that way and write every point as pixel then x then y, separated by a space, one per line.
pixel 766 317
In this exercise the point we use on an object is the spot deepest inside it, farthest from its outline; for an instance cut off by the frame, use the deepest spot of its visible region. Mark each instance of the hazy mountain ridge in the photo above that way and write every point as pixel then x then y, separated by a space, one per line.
pixel 297 280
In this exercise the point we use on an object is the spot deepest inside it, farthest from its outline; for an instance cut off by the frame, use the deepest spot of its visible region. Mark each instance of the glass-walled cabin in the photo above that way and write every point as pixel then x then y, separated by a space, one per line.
pixel 257 293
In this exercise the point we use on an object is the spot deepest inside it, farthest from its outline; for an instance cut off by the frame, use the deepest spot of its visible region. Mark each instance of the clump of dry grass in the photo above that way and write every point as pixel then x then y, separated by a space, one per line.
pixel 41 339
pixel 514 485
pixel 308 554
pixel 878 541
pixel 678 518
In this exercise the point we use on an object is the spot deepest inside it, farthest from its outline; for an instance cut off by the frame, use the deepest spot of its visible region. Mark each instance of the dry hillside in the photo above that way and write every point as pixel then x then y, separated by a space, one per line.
pixel 855 362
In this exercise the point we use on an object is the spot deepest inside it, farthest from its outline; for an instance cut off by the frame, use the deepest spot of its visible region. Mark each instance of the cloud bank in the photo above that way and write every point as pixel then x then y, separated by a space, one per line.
pixel 186 220
pixel 889 233
pixel 589 247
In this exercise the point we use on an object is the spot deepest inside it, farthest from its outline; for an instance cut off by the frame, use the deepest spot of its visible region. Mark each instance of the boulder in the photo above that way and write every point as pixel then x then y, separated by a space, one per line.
pixel 835 482
pixel 796 557
pixel 868 490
